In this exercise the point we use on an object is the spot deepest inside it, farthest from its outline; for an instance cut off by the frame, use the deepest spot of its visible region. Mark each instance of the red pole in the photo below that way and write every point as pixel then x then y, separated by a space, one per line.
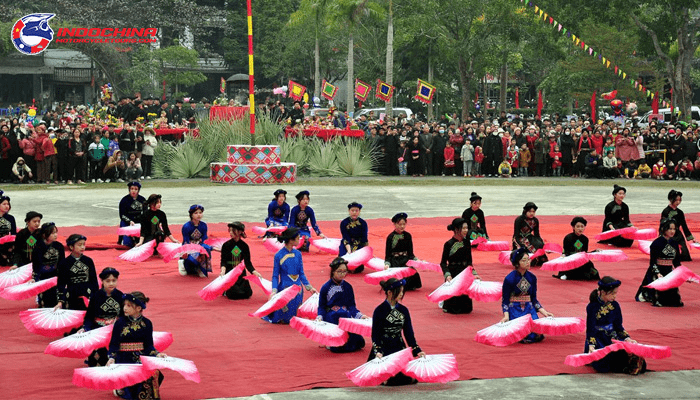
pixel 251 75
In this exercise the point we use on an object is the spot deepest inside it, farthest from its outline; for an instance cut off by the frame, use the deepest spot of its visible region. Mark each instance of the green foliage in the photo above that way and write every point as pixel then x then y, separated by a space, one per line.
pixel 293 150
pixel 322 158
pixel 355 157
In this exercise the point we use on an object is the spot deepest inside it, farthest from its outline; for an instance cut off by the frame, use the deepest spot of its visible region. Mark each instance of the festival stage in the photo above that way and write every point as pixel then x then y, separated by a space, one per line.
pixel 238 355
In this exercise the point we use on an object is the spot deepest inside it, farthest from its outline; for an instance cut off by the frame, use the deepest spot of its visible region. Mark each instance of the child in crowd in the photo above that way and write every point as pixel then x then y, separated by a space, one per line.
pixel 21 171
pixel 610 170
pixel 504 169
pixel 96 155
pixel 478 159
pixel 643 171
pixel 467 157
pixel 449 154
pixel 609 146
pixel 525 158
pixel 684 170
pixel 403 162
pixel 659 171
pixel 556 161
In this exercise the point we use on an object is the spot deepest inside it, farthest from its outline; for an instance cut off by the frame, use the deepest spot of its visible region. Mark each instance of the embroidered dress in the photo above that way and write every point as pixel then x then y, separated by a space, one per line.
pixel 277 215
pixel 25 241
pixel 398 251
pixel 664 257
pixel 576 244
pixel 456 257
pixel 520 298
pixel 300 218
pixel 45 260
pixel 526 233
pixel 197 234
pixel 288 270
pixel 619 216
pixel 681 236
pixel 8 226
pixel 154 226
pixel 130 210
pixel 354 233
pixel 232 253
pixel 102 310
pixel 77 279
pixel 476 222
pixel 337 300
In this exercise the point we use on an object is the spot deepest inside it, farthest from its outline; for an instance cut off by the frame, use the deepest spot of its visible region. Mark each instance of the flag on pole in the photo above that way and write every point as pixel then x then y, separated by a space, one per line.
pixel 593 113
pixel 362 90
pixel 517 98
pixel 424 92
pixel 384 91
pixel 328 91
pixel 222 89
pixel 539 104
pixel 296 91
pixel 655 103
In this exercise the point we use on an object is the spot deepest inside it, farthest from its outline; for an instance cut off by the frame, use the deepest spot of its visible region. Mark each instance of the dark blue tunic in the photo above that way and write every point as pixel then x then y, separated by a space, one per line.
pixel 664 257
pixel 300 218
pixel 76 278
pixel 277 215
pixel 337 301
pixel 603 324
pixel 103 309
pixel 45 260
pixel 354 233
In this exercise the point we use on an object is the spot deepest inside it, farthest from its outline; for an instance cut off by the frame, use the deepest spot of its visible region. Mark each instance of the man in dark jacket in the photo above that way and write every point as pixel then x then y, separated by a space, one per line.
pixel 493 153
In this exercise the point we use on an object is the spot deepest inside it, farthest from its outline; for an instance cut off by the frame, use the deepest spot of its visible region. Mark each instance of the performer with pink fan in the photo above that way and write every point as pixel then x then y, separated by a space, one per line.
pixel 104 308
pixel 520 293
pixel 277 211
pixel 475 220
pixel 130 210
pixel 300 217
pixel 26 239
pixel 195 231
pixel 8 230
pixel 354 231
pixel 288 270
pixel 399 250
pixel 391 322
pixel 457 257
pixel 46 256
pixel 77 278
pixel 337 300
pixel 233 252
pixel 603 325
pixel 671 211
pixel 617 216
pixel 575 243
pixel 154 222
pixel 664 256
pixel 526 233
pixel 132 337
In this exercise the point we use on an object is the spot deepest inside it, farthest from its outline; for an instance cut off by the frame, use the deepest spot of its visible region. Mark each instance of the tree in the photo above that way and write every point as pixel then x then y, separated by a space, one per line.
pixel 178 66
pixel 316 10
pixel 390 53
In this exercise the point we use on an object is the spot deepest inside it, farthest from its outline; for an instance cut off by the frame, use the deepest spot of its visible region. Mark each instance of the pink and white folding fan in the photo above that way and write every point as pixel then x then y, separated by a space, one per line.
pixel 424 266
pixel 553 248
pixel 27 290
pixel 259 230
pixel 378 370
pixel 162 340
pixel 277 301
pixel 184 249
pixel 321 332
pixel 399 273
pixel 7 239
pixel 130 230
pixel 184 367
pixel 566 263
pixel 558 325
pixel 505 333
pixel 537 253
pixel 165 248
pixel 139 254
pixel 579 360
pixel 49 322
pixel 273 245
pixel 493 246
pixel 478 240
pixel 644 246
pixel 327 245
pixel 433 368
pixel 358 257
pixel 504 257
pixel 485 290
pixel 456 287
pixel 642 234
pixel 607 255
pixel 309 308
pixel 375 264
pixel 80 345
pixel 694 246
pixel 263 283
pixel 673 280
pixel 614 233
pixel 646 350
pixel 116 376
pixel 218 286
pixel 15 276
pixel 216 243
pixel 360 326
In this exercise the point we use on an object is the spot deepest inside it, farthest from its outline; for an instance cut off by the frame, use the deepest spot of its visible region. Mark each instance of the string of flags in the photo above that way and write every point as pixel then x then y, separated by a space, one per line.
pixel 578 42
pixel 383 91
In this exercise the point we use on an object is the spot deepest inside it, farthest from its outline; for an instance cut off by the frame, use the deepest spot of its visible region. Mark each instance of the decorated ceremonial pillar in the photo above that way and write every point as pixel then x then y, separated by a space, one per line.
pixel 251 75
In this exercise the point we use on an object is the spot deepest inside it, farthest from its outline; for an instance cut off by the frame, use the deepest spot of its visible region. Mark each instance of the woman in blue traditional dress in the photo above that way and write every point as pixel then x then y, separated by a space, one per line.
pixel 132 337
pixel 130 210
pixel 195 232
pixel 337 300
pixel 288 270
pixel 301 215
pixel 354 231
pixel 278 210
pixel 520 293
pixel 603 324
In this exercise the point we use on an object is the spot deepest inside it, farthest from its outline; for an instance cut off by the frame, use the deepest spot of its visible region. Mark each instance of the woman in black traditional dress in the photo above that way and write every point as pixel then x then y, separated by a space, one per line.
pixel 391 322
pixel 617 216
pixel 577 242
pixel 664 254
pixel 233 252
pixel 526 233
pixel 154 222
pixel 8 226
pixel 673 212
pixel 474 217
pixel 46 256
pixel 456 257
pixel 104 308
pixel 399 250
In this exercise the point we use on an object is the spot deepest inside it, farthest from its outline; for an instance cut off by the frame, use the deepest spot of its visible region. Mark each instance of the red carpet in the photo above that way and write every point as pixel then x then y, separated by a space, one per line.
pixel 239 356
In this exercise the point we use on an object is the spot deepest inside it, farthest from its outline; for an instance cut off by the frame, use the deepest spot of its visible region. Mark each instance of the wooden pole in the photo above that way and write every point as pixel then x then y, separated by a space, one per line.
pixel 251 75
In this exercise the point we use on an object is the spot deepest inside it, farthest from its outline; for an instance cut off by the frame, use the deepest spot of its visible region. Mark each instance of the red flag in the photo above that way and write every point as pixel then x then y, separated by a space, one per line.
pixel 609 95
pixel 655 104
pixel 517 98
pixel 593 113
pixel 539 104
pixel 671 106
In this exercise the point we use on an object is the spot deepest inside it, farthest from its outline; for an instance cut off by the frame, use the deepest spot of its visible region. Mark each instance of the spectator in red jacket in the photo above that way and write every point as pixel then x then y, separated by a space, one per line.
pixel 449 154
pixel 659 171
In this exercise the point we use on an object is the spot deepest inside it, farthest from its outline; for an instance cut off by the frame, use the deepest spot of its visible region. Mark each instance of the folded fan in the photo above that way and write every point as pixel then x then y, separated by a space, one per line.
pixel 162 340
pixel 558 325
pixel 15 276
pixel 375 264
pixel 216 243
pixel 607 255
pixel 358 257
pixel 614 233
pixel 167 247
pixel 218 286
pixel 566 263
pixel 7 239
pixel 493 246
pixel 259 230
pixel 485 290
pixel 642 234
pixel 321 332
pixel 399 273
pixel 359 326
pixel 277 301
pixel 190 248
pixel 673 279
pixel 642 350
pixel 263 283
pixel 184 367
pixel 456 287
pixel 140 253
pixel 116 376
pixel 505 333
pixel 309 308
pixel 327 245
pixel 433 368
pixel 80 345
pixel 49 322
pixel 131 230
pixel 479 239
pixel 553 248
pixel 27 290
pixel 378 370
pixel 644 246
pixel 646 350
pixel 424 266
